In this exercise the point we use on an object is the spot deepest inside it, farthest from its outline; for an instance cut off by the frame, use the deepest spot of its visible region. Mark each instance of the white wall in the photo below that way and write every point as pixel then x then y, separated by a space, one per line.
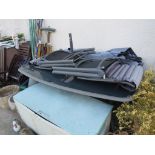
pixel 13 26
pixel 101 34
pixel 106 34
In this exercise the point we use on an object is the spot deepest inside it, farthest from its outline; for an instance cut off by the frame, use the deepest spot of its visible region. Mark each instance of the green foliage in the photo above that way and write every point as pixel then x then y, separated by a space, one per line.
pixel 20 35
pixel 138 117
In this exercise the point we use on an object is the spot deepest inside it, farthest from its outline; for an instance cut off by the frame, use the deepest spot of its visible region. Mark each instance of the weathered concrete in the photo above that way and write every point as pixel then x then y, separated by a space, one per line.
pixel 6 118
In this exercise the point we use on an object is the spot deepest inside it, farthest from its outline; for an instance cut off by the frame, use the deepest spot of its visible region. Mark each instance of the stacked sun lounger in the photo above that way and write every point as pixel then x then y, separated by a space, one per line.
pixel 120 65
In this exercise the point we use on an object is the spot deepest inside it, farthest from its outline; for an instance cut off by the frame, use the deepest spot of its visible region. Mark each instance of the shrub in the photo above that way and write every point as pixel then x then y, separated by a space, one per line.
pixel 138 117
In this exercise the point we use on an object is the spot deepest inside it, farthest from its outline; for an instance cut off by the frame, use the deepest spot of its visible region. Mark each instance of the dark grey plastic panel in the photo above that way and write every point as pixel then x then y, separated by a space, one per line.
pixel 102 90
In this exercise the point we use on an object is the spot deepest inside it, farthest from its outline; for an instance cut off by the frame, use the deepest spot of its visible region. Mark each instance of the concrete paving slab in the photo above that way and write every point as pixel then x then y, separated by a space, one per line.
pixel 6 118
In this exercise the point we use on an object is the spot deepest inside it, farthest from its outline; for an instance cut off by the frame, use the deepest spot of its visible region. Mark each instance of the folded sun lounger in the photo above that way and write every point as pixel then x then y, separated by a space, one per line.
pixel 61 58
pixel 120 65
pixel 113 75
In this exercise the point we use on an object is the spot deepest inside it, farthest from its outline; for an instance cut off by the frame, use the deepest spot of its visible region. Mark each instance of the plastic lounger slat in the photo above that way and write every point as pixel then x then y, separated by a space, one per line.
pixel 86 70
pixel 118 72
pixel 111 67
pixel 113 71
pixel 139 77
pixel 55 62
pixel 63 65
pixel 136 75
pixel 123 72
pixel 44 68
pixel 77 74
pixel 52 65
pixel 129 72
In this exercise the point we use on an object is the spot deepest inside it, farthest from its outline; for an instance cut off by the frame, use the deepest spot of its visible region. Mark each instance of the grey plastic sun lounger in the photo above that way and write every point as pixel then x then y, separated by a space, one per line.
pixel 100 90
pixel 85 68
pixel 61 58
pixel 120 65
pixel 112 75
pixel 128 74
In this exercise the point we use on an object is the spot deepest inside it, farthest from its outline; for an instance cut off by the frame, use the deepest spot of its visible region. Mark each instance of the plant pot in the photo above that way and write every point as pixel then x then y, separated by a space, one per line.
pixel 5 93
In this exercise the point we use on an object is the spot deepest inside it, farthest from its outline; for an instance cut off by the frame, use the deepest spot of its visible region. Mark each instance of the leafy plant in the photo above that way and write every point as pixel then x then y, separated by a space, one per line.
pixel 21 36
pixel 138 117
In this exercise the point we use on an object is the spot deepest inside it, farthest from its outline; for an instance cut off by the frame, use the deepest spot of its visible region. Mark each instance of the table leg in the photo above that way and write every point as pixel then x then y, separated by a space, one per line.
pixel 5 67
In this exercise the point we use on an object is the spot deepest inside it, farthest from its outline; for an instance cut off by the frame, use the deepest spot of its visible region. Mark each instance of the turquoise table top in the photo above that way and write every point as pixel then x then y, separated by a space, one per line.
pixel 76 114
